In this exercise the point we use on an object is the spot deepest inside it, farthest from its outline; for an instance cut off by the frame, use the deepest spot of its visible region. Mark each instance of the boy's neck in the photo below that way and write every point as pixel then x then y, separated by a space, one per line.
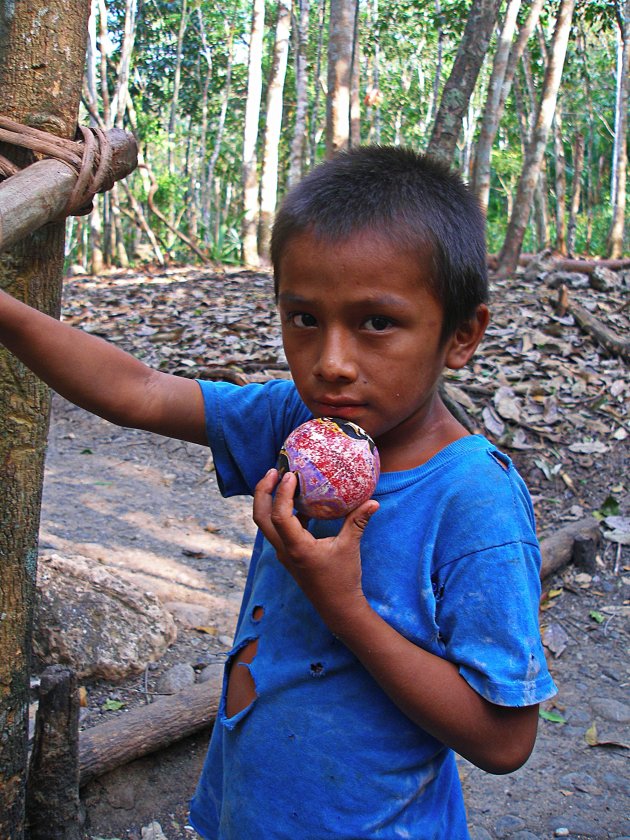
pixel 440 429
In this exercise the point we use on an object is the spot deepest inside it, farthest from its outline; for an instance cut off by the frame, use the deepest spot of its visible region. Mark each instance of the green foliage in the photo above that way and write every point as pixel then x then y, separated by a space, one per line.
pixel 415 44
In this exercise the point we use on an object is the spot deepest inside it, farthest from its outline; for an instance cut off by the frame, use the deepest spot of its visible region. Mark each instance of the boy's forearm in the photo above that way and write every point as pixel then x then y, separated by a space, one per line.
pixel 94 374
pixel 75 364
pixel 432 693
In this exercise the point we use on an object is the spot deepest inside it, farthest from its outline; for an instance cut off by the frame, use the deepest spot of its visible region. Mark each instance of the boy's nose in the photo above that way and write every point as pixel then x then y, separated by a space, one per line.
pixel 335 360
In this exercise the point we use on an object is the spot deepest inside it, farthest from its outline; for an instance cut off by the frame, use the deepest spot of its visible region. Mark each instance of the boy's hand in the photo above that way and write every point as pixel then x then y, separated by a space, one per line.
pixel 327 570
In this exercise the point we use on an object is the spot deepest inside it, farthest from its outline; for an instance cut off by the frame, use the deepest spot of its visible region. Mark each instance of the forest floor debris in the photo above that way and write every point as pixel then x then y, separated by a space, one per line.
pixel 149 509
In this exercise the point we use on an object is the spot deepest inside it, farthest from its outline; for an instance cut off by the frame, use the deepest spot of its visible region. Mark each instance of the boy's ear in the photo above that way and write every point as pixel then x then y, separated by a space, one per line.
pixel 465 340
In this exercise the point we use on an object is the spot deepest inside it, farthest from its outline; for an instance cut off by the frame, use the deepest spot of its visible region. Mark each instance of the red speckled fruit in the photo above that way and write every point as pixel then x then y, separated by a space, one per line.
pixel 336 463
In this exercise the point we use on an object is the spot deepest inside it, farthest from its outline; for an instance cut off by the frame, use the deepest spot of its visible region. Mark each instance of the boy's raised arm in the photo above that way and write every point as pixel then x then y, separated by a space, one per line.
pixel 99 376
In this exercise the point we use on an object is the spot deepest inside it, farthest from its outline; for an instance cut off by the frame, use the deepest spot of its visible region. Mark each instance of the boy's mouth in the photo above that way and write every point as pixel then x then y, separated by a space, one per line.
pixel 335 407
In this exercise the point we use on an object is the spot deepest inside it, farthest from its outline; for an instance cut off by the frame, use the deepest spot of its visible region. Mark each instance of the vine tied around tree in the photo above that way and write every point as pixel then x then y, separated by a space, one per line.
pixel 97 160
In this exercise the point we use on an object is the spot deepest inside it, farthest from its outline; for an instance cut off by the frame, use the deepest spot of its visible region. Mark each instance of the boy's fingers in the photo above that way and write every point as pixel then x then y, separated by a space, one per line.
pixel 356 521
pixel 263 503
pixel 274 516
pixel 286 524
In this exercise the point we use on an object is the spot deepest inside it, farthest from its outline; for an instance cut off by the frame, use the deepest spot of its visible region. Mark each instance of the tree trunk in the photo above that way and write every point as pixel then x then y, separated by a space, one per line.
pixel 250 139
pixel 218 137
pixel 298 143
pixel 491 113
pixel 561 185
pixel 373 95
pixel 616 235
pixel 122 82
pixel 52 801
pixel 508 258
pixel 340 45
pixel 578 166
pixel 45 93
pixel 355 83
pixel 273 124
pixel 461 83
pixel 314 125
pixel 177 75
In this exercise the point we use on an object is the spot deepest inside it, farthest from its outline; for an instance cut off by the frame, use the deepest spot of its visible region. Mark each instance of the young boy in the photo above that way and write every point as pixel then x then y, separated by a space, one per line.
pixel 366 650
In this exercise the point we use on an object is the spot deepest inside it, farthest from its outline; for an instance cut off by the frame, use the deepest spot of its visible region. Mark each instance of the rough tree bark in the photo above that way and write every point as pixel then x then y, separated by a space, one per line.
pixel 508 259
pixel 616 234
pixel 340 41
pixel 250 138
pixel 491 113
pixel 298 143
pixel 42 53
pixel 578 166
pixel 461 83
pixel 273 125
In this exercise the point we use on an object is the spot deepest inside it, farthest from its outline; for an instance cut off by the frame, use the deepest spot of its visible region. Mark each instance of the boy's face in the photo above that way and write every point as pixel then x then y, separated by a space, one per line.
pixel 361 332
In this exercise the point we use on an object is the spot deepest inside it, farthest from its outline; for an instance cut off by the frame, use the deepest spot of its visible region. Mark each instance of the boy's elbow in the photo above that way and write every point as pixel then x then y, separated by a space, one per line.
pixel 514 742
pixel 504 761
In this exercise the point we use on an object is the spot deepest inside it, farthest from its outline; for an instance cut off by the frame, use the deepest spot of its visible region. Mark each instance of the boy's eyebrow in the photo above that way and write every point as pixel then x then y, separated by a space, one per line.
pixel 288 298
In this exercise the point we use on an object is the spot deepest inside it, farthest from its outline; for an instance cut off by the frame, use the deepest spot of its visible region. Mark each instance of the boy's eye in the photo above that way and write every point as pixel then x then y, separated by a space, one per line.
pixel 302 319
pixel 377 323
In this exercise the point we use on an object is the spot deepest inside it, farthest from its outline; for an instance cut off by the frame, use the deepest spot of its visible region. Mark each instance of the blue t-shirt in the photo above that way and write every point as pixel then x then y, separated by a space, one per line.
pixel 450 560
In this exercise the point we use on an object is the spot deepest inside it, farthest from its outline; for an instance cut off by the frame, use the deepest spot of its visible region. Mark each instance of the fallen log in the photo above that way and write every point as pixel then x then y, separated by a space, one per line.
pixel 148 728
pixel 558 548
pixel 609 340
pixel 582 265
pixel 40 193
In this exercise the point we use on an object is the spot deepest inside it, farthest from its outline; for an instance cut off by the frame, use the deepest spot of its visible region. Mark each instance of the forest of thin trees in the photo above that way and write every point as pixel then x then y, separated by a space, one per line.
pixel 232 104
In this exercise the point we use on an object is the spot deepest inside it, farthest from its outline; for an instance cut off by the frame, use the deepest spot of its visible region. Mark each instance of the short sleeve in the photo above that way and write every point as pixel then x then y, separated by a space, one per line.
pixel 487 614
pixel 246 426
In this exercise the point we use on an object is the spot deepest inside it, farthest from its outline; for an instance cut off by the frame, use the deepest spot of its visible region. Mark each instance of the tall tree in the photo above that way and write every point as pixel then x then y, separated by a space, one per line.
pixel 508 258
pixel 45 94
pixel 298 143
pixel 461 83
pixel 615 237
pixel 273 124
pixel 250 138
pixel 340 51
pixel 491 113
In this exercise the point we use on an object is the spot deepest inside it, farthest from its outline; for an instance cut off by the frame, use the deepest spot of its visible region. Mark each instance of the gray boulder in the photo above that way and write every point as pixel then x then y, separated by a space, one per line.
pixel 98 624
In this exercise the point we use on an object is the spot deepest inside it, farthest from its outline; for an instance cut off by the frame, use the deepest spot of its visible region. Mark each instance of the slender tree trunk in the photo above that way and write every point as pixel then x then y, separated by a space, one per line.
pixel 220 129
pixel 437 80
pixel 355 83
pixel 340 45
pixel 298 143
pixel 45 94
pixel 103 37
pixel 616 234
pixel 461 83
pixel 491 114
pixel 122 82
pixel 508 258
pixel 524 34
pixel 273 124
pixel 578 165
pixel 314 127
pixel 177 75
pixel 561 185
pixel 91 94
pixel 373 95
pixel 250 159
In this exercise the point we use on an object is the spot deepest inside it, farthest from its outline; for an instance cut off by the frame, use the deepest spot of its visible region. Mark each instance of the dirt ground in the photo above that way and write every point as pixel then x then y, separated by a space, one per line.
pixel 149 508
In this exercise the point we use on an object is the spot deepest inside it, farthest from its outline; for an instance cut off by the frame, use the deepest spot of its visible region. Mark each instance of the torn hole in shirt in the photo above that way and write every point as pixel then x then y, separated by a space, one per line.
pixel 241 691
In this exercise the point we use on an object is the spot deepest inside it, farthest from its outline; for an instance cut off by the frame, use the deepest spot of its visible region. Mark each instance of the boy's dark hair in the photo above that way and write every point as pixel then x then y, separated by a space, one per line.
pixel 410 198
